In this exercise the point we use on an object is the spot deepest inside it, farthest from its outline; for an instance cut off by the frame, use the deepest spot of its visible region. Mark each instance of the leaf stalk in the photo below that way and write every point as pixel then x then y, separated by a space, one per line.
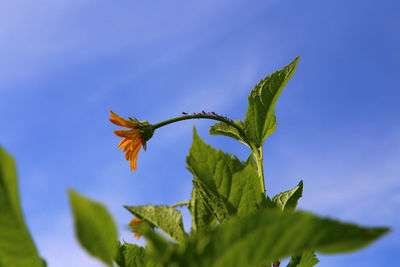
pixel 180 204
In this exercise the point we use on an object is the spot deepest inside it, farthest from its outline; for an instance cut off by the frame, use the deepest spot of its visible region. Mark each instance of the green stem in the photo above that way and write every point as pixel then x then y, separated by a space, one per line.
pixel 258 153
pixel 180 204
pixel 199 116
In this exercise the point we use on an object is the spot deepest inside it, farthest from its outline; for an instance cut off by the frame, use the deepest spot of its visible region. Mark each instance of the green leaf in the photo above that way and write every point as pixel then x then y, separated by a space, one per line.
pixel 16 245
pixel 260 120
pixel 288 200
pixel 225 178
pixel 245 193
pixel 213 167
pixel 130 255
pixel 94 227
pixel 267 235
pixel 212 200
pixel 251 161
pixel 222 128
pixel 158 248
pixel 269 204
pixel 167 219
pixel 307 259
pixel 202 217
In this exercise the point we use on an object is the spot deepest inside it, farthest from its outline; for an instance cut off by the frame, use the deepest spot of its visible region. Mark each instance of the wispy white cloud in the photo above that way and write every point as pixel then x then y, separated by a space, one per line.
pixel 347 184
pixel 41 37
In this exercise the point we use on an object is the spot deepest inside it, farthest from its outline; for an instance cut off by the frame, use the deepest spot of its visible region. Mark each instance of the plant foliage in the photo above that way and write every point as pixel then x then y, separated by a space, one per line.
pixel 16 245
pixel 234 222
pixel 94 227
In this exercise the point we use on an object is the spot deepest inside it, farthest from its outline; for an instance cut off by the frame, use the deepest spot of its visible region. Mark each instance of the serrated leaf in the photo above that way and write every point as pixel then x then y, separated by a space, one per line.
pixel 16 245
pixel 307 259
pixel 267 235
pixel 225 178
pixel 94 227
pixel 130 255
pixel 288 200
pixel 212 200
pixel 202 217
pixel 222 128
pixel 260 120
pixel 213 167
pixel 269 204
pixel 167 219
pixel 251 161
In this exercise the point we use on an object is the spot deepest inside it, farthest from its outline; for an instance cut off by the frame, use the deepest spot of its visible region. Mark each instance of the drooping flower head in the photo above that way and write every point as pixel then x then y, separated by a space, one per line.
pixel 133 138
pixel 136 222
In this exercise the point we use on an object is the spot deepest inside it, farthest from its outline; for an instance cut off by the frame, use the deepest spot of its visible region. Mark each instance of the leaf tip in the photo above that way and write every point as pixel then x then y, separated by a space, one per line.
pixel 72 194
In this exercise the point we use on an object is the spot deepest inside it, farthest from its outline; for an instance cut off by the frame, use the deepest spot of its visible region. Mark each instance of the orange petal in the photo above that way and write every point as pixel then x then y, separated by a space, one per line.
pixel 136 136
pixel 122 122
pixel 136 142
pixel 116 122
pixel 116 117
pixel 137 235
pixel 128 155
pixel 127 148
pixel 132 165
pixel 136 221
pixel 135 154
pixel 127 133
pixel 136 147
pixel 124 142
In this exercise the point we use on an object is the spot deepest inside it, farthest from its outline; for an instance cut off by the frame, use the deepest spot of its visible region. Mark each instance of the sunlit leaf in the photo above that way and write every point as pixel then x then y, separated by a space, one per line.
pixel 260 120
pixel 130 255
pixel 16 245
pixel 212 200
pixel 267 235
pixel 167 219
pixel 94 227
pixel 222 128
pixel 202 216
pixel 288 200
pixel 307 259
pixel 223 181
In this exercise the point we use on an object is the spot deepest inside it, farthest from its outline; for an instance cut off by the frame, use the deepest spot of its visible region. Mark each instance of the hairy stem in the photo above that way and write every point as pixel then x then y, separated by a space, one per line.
pixel 199 116
pixel 180 204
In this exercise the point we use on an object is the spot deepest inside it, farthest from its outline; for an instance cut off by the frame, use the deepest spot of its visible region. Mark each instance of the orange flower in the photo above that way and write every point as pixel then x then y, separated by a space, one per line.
pixel 132 139
pixel 136 222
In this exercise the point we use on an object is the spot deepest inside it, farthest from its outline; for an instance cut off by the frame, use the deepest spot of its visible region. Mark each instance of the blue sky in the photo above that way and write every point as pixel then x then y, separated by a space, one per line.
pixel 65 64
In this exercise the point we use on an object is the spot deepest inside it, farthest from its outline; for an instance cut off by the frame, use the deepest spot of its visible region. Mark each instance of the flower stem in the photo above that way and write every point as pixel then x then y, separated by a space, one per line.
pixel 180 204
pixel 258 153
pixel 199 116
